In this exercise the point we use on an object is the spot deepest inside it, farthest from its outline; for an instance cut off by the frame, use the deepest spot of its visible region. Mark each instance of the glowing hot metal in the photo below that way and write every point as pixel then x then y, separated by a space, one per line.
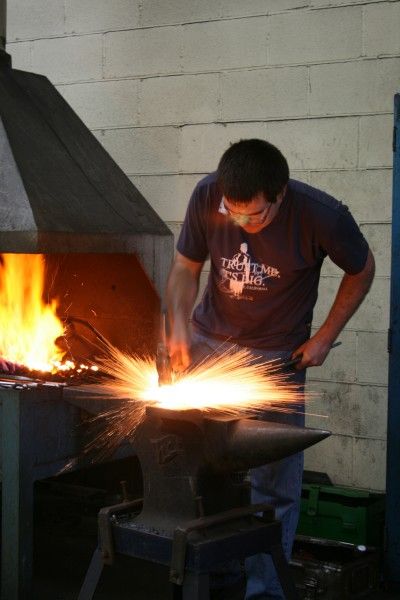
pixel 230 383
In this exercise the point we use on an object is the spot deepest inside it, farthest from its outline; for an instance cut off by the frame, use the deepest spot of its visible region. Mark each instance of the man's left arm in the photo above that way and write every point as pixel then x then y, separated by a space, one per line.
pixel 351 293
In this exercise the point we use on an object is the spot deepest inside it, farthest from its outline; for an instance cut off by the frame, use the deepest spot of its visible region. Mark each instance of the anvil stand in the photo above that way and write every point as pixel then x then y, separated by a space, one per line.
pixel 195 549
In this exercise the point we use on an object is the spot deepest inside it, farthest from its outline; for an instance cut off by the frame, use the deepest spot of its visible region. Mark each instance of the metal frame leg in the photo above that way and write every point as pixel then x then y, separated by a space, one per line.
pixel 196 586
pixel 284 574
pixel 92 576
pixel 17 498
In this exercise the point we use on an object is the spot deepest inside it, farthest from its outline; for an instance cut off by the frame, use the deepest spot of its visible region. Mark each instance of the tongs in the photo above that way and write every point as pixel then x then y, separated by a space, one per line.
pixel 294 361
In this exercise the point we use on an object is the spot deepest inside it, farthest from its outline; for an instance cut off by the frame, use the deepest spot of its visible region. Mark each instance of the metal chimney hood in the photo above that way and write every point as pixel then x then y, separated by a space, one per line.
pixel 60 191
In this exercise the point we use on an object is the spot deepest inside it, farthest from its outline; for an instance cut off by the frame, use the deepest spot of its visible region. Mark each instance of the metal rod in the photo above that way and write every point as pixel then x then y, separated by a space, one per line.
pixel 392 557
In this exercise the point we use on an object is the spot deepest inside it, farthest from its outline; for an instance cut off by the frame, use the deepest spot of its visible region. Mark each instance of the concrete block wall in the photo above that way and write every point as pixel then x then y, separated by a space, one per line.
pixel 167 85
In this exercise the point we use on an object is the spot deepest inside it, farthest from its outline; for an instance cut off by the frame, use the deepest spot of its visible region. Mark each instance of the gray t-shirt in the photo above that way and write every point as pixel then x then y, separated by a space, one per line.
pixel 263 286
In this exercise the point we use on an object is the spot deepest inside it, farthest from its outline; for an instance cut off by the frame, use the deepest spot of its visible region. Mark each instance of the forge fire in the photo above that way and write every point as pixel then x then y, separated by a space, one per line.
pixel 30 327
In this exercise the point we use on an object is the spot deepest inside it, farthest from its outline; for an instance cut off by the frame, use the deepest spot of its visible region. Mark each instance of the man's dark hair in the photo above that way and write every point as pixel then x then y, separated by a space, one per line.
pixel 249 167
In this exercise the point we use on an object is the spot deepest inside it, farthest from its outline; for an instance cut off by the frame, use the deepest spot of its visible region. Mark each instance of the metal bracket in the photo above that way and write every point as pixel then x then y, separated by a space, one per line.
pixel 106 515
pixel 181 533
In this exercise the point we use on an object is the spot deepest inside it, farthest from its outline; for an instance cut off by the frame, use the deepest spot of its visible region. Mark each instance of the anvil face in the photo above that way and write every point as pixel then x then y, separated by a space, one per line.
pixel 188 458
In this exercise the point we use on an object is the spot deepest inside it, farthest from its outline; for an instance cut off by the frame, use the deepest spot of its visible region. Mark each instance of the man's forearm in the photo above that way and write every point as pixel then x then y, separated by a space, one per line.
pixel 182 292
pixel 351 293
pixel 182 288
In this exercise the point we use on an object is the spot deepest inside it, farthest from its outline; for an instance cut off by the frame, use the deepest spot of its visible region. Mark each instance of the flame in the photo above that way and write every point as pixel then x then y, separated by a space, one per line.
pixel 28 326
pixel 231 382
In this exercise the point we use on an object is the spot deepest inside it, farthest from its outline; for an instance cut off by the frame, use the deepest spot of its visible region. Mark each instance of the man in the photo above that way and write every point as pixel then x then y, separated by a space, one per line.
pixel 266 236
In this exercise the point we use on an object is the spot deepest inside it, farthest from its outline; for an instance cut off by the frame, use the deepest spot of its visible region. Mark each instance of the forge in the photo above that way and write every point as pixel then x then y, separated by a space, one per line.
pixel 107 254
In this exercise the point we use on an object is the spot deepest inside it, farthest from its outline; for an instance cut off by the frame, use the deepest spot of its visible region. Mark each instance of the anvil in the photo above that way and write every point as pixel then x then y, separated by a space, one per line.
pixel 189 459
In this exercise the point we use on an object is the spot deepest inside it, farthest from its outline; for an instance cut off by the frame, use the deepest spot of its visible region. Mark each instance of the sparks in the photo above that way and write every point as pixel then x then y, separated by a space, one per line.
pixel 232 382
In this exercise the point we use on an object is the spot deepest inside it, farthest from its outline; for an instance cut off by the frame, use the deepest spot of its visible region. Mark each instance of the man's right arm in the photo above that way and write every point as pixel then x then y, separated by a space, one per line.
pixel 182 288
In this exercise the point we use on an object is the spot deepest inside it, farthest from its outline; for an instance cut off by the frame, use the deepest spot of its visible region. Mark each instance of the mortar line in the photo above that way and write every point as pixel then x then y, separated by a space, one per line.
pixel 306 8
pixel 285 119
pixel 229 70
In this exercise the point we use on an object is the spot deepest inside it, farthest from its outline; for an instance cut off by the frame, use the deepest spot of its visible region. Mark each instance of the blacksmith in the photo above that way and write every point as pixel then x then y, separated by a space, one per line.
pixel 266 236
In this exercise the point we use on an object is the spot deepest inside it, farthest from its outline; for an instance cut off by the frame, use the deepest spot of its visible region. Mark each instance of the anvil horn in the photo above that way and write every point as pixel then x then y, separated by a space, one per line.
pixel 253 443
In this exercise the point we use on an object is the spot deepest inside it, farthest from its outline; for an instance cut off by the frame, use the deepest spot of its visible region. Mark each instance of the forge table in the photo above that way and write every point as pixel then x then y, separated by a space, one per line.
pixel 42 430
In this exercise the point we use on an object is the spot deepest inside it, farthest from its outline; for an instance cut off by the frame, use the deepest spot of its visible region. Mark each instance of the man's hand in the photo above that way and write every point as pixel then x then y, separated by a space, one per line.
pixel 179 348
pixel 182 288
pixel 313 353
pixel 351 292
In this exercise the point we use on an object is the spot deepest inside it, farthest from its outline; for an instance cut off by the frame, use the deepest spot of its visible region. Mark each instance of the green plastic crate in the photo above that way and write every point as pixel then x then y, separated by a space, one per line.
pixel 342 514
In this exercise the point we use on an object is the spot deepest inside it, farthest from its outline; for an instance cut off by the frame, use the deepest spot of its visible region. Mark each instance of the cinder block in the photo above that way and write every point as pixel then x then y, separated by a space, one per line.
pixel 328 287
pixel 175 228
pixel 143 52
pixel 348 409
pixel 303 176
pixel 154 12
pixel 372 357
pixel 27 19
pixel 21 55
pixel 376 135
pixel 103 15
pixel 316 143
pixel 358 87
pixel 333 456
pixel 203 145
pixel 168 194
pixel 238 8
pixel 372 401
pixel 104 103
pixel 333 408
pixel 153 150
pixel 373 314
pixel 379 239
pixel 369 464
pixel 340 364
pixel 179 99
pixel 264 94
pixel 225 44
pixel 68 59
pixel 329 269
pixel 381 28
pixel 367 193
pixel 319 35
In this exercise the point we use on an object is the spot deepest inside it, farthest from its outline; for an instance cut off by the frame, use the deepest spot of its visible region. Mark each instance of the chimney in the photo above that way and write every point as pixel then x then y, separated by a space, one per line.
pixel 63 196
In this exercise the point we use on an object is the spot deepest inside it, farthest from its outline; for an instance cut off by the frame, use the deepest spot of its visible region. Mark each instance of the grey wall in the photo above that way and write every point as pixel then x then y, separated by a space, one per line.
pixel 167 84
